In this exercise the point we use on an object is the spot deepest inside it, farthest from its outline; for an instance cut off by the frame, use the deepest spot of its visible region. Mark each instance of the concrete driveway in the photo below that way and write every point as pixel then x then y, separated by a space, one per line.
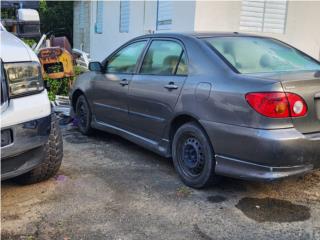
pixel 109 188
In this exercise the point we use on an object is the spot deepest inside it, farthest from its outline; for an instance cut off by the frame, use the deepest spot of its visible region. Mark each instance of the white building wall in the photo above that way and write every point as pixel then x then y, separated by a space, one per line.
pixel 303 30
pixel 302 25
pixel 217 16
pixel 183 16
pixel 143 17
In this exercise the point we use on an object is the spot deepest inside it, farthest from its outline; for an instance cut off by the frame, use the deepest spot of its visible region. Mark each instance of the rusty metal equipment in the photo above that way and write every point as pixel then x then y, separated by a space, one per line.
pixel 57 60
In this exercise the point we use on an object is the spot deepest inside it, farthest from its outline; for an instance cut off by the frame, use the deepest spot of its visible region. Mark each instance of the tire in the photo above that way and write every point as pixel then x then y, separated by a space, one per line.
pixel 193 156
pixel 53 154
pixel 84 116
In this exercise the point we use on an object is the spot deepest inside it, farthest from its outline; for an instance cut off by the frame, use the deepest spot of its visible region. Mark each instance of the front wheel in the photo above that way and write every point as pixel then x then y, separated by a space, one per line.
pixel 53 154
pixel 193 156
pixel 83 114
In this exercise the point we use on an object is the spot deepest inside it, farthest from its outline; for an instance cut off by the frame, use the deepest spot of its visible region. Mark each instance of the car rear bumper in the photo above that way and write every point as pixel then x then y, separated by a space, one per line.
pixel 258 154
pixel 24 150
pixel 249 171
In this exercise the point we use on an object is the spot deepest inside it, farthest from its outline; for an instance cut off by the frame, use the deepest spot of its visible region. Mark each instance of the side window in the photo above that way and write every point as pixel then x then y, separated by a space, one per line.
pixel 126 59
pixel 162 58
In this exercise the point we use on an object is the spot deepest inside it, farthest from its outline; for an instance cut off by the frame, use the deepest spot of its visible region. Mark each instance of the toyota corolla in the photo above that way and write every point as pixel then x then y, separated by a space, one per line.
pixel 228 104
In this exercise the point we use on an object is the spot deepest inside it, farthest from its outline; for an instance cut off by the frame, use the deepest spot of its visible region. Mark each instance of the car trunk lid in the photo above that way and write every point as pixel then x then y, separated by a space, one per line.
pixel 307 85
pixel 310 92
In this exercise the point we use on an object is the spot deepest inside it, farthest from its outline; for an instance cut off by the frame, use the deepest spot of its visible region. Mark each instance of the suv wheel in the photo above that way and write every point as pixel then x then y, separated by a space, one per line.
pixel 193 156
pixel 83 114
pixel 53 153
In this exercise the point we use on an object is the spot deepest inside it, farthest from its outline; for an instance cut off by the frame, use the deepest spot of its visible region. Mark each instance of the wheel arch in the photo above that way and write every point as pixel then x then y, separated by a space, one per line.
pixel 181 119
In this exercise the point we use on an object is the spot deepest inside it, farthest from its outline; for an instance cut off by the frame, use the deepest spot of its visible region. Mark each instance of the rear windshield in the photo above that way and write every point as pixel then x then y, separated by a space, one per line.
pixel 261 55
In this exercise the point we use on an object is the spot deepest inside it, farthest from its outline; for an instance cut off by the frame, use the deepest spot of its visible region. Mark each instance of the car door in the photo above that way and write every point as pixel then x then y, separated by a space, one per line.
pixel 110 94
pixel 154 90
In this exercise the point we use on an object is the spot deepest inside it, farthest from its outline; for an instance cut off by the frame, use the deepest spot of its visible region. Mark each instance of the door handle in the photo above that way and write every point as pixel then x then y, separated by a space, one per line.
pixel 171 86
pixel 124 82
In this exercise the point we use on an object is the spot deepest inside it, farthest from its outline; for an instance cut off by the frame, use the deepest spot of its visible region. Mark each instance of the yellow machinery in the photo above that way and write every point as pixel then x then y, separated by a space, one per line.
pixel 57 60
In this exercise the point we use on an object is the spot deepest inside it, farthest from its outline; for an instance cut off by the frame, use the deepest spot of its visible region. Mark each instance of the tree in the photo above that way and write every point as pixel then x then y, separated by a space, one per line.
pixel 57 16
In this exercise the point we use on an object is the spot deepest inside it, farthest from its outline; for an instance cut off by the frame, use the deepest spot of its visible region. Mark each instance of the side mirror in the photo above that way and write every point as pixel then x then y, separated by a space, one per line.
pixel 95 66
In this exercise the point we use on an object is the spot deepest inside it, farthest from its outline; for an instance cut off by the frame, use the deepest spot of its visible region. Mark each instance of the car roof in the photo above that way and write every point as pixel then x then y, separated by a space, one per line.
pixel 197 34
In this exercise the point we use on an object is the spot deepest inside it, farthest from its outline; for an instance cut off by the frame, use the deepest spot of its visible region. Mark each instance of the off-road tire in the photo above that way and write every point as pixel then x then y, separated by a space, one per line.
pixel 193 156
pixel 53 154
pixel 83 115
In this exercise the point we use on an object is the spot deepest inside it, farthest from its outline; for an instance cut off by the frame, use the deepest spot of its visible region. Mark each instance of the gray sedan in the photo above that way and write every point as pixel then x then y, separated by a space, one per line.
pixel 226 104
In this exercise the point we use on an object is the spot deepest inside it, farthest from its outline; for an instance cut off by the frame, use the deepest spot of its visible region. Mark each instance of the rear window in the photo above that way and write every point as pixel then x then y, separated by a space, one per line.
pixel 261 55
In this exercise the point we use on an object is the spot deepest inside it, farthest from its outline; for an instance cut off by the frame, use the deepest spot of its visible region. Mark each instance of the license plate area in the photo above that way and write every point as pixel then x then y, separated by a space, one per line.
pixel 6 137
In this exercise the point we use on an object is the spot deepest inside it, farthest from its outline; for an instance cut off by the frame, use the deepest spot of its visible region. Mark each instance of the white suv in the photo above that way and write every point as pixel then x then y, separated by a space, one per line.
pixel 31 142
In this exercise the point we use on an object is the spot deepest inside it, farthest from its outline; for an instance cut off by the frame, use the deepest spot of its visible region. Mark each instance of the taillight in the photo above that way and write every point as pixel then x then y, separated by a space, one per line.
pixel 277 104
pixel 298 107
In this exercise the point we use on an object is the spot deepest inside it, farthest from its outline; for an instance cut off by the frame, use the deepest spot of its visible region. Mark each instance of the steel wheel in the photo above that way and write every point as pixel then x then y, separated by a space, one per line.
pixel 193 156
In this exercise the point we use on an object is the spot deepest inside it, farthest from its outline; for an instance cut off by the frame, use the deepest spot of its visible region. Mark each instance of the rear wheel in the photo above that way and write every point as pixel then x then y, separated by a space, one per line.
pixel 53 154
pixel 193 156
pixel 83 114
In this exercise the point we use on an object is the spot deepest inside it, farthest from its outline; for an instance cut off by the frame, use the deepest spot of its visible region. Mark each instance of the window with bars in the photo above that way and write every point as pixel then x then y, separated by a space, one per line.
pixel 164 15
pixel 99 17
pixel 124 16
pixel 81 15
pixel 263 16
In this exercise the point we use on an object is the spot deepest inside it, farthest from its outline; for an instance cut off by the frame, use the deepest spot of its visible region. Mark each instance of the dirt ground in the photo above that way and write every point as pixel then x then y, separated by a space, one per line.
pixel 109 188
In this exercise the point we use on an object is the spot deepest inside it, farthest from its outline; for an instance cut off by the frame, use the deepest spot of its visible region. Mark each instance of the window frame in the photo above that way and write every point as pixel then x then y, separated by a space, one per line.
pixel 181 54
pixel 101 5
pixel 169 26
pixel 81 14
pixel 263 29
pixel 106 61
pixel 235 70
pixel 120 16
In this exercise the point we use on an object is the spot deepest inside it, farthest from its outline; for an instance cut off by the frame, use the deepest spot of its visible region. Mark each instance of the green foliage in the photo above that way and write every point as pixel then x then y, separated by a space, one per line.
pixel 78 70
pixel 61 86
pixel 58 87
pixel 8 13
pixel 57 16
pixel 29 42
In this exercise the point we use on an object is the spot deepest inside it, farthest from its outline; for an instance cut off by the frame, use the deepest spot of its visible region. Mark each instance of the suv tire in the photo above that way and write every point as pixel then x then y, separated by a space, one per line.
pixel 53 153
pixel 84 116
pixel 193 156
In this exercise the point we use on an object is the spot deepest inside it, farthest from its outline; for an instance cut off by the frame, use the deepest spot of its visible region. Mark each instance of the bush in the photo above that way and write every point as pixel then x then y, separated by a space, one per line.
pixel 58 87
pixel 29 42
pixel 62 86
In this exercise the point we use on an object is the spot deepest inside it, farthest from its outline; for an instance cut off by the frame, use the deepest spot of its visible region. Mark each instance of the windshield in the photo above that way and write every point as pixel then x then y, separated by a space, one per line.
pixel 261 55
